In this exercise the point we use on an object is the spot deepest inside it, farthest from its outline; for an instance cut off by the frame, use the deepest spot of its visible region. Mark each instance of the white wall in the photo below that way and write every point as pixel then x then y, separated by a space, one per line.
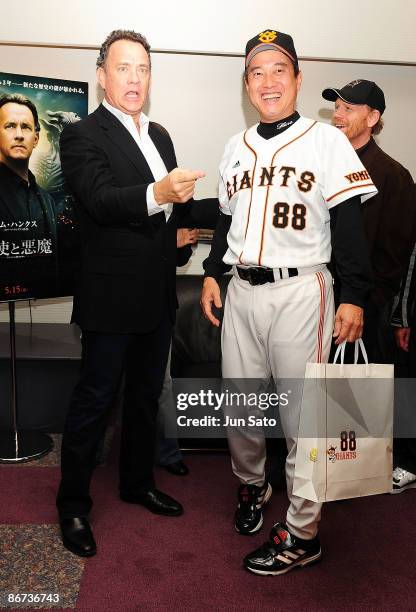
pixel 200 99
pixel 357 29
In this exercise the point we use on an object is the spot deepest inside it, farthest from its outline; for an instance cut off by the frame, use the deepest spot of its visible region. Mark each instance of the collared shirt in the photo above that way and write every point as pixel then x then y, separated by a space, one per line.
pixel 150 152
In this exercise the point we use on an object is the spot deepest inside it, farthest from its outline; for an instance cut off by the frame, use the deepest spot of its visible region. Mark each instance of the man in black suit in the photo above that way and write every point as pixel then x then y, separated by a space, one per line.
pixel 131 199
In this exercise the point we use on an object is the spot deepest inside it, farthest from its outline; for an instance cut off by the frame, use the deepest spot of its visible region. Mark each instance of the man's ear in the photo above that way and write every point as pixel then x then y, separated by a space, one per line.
pixel 246 81
pixel 35 144
pixel 299 80
pixel 101 77
pixel 373 116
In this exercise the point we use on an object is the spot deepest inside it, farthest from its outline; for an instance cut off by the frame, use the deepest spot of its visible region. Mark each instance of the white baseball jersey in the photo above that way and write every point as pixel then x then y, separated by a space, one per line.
pixel 279 192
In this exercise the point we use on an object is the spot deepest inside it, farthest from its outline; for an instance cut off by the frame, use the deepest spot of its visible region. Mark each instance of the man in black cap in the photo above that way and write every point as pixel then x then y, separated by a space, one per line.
pixel 389 217
pixel 290 188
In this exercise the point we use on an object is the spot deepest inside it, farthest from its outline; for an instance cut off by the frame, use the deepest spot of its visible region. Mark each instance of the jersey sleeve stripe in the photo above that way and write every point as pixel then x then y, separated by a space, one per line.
pixel 349 189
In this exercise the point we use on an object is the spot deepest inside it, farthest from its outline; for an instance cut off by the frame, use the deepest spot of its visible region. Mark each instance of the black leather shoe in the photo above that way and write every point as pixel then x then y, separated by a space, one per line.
pixel 155 501
pixel 177 468
pixel 77 536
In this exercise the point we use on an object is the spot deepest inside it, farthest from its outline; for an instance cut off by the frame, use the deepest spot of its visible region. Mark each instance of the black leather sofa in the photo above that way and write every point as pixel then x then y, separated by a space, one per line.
pixel 196 345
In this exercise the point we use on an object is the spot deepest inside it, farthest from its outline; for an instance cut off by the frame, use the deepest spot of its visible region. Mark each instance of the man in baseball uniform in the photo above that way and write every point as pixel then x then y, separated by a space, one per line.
pixel 289 189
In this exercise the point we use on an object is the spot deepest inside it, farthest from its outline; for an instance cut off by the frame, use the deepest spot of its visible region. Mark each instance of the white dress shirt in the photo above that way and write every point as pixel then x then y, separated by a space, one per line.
pixel 151 154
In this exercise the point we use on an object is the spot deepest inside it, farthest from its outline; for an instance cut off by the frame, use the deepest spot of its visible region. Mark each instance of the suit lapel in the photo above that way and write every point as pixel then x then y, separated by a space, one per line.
pixel 123 140
pixel 161 142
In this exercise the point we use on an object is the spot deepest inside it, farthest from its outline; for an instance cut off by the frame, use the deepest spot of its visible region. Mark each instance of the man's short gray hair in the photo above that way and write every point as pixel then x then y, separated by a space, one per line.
pixel 121 35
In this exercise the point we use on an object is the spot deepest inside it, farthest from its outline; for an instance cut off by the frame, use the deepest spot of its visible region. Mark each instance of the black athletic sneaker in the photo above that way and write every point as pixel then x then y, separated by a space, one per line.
pixel 282 553
pixel 251 499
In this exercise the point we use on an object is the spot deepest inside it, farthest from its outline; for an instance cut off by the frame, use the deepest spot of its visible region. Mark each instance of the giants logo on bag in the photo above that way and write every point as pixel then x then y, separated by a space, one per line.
pixel 348 448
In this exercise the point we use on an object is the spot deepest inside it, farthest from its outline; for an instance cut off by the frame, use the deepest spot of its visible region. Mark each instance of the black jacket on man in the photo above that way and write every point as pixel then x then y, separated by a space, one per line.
pixel 128 258
pixel 389 220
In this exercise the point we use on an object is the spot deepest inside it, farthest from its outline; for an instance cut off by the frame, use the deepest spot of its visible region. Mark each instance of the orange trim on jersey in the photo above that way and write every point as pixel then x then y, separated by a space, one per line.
pixel 348 189
pixel 251 196
pixel 321 280
pixel 268 187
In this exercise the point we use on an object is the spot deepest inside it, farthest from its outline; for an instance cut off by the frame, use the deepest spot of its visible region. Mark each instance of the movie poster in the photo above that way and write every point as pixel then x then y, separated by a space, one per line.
pixel 39 234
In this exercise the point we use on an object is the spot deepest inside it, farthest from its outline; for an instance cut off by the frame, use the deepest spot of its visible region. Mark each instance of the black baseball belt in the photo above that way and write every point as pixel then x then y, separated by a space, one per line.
pixel 260 276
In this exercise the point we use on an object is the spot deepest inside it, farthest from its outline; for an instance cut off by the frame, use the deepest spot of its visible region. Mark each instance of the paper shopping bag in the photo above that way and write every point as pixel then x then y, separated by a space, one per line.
pixel 345 441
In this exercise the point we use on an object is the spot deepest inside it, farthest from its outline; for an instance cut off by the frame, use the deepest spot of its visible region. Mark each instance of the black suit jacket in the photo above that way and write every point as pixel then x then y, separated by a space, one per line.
pixel 128 258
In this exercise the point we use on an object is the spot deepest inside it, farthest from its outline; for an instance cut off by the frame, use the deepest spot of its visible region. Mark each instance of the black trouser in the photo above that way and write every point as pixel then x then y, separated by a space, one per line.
pixel 105 357
pixel 405 448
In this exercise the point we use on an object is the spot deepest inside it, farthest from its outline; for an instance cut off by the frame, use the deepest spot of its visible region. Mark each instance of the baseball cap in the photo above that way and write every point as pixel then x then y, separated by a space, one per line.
pixel 271 40
pixel 359 91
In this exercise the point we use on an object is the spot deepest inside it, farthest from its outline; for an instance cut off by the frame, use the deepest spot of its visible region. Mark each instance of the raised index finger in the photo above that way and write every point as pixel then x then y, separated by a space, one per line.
pixel 190 175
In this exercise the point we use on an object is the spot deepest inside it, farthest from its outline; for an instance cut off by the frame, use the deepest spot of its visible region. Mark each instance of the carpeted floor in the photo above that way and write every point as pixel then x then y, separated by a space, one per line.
pixel 191 563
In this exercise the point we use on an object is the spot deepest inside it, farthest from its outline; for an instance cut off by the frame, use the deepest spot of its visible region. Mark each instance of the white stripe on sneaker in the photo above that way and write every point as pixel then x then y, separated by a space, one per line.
pixel 263 499
pixel 284 559
pixel 290 554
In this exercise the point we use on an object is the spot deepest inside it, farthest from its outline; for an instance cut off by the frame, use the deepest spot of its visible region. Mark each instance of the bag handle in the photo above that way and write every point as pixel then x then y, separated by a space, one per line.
pixel 360 344
pixel 340 352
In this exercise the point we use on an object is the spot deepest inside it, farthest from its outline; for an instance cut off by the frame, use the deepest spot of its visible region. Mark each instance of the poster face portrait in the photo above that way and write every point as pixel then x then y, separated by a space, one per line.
pixel 39 236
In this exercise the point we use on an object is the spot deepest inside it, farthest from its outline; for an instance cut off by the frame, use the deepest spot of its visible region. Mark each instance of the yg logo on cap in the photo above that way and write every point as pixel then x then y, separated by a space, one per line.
pixel 267 36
